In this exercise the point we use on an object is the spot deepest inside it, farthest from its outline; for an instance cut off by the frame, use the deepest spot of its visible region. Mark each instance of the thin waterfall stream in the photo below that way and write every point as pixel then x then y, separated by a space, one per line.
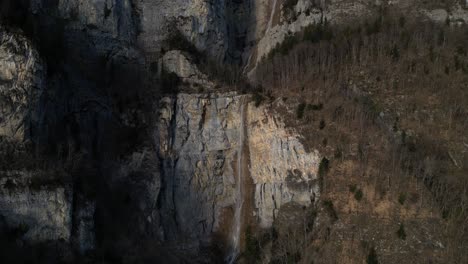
pixel 239 199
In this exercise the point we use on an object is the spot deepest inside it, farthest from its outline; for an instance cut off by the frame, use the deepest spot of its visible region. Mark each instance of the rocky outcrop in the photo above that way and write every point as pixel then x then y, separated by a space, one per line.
pixel 21 81
pixel 39 212
pixel 281 169
pixel 176 62
pixel 199 145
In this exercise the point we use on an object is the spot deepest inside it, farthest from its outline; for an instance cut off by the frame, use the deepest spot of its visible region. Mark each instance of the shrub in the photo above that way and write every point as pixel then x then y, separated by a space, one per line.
pixel 315 107
pixel 300 110
pixel 401 232
pixel 358 195
pixel 252 247
pixel 311 215
pixel 395 53
pixel 274 234
pixel 317 32
pixel 402 21
pixel 402 198
pixel 19 231
pixel 323 167
pixel 461 50
pixel 325 142
pixel 371 107
pixel 322 124
pixel 288 7
pixel 330 209
pixel 169 82
pixel 352 188
pixel 338 153
pixel 177 41
pixel 289 4
pixel 375 27
pixel 372 257
pixel 284 47
pixel 10 185
pixel 293 257
pixel 258 99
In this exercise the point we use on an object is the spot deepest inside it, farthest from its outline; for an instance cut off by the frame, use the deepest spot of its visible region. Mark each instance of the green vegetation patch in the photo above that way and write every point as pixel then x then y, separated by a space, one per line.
pixel 252 247
pixel 358 195
pixel 300 110
pixel 402 198
pixel 330 209
pixel 372 257
pixel 318 32
pixel 401 232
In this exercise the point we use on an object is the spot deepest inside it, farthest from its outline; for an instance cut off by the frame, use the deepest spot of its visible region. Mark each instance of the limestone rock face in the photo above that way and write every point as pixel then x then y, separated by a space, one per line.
pixel 41 212
pixel 210 25
pixel 21 80
pixel 199 144
pixel 280 167
pixel 199 137
pixel 176 62
pixel 139 174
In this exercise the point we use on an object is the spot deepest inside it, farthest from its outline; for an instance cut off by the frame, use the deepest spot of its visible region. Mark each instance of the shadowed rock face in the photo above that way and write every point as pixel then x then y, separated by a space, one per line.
pixel 42 212
pixel 215 27
pixel 199 137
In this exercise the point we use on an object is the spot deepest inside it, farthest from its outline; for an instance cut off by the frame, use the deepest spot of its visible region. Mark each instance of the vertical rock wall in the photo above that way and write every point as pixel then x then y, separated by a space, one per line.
pixel 199 138
pixel 218 28
pixel 199 135
pixel 281 169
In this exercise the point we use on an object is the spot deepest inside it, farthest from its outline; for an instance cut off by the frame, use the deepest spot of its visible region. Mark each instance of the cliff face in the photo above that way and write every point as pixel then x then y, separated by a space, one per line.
pixel 21 82
pixel 29 202
pixel 282 170
pixel 39 213
pixel 200 137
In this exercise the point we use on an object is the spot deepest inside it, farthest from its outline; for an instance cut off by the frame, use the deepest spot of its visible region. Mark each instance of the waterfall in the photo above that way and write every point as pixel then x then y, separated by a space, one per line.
pixel 237 222
pixel 272 14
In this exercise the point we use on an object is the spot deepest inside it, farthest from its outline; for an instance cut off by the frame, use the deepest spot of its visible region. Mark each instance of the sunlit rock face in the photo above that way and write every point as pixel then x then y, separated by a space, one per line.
pixel 199 137
pixel 281 169
pixel 21 80
pixel 40 212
